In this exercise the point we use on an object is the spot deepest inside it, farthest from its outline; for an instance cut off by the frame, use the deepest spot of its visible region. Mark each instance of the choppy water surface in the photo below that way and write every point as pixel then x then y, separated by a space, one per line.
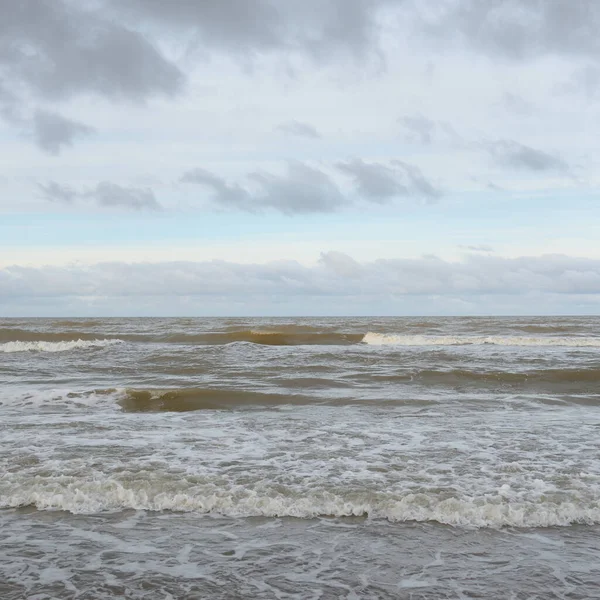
pixel 300 458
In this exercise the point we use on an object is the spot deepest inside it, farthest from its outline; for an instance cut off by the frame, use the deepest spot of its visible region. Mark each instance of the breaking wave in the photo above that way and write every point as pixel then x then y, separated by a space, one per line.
pixel 41 346
pixel 13 334
pixel 382 339
pixel 294 336
pixel 93 496
pixel 284 336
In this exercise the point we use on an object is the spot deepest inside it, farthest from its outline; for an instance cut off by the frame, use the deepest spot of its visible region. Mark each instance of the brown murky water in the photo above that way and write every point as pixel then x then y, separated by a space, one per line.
pixel 300 458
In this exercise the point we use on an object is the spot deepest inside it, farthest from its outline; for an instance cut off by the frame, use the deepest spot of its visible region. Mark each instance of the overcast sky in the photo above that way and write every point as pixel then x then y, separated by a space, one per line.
pixel 290 157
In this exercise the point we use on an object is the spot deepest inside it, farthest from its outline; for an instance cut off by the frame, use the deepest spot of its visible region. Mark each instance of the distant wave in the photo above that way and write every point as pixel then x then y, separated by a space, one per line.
pixel 284 336
pixel 41 346
pixel 82 495
pixel 383 339
pixel 13 334
pixel 578 387
pixel 280 337
pixel 297 336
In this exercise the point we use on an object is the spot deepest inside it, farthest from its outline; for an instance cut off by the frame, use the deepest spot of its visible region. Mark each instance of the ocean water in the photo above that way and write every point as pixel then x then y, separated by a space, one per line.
pixel 300 458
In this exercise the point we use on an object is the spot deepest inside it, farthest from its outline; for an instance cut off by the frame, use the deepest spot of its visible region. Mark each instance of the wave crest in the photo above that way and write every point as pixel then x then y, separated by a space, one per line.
pixel 41 346
pixel 384 339
pixel 239 501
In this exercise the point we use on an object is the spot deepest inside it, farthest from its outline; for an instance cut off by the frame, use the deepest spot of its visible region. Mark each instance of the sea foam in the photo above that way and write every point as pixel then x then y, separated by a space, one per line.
pixel 39 346
pixel 93 496
pixel 382 339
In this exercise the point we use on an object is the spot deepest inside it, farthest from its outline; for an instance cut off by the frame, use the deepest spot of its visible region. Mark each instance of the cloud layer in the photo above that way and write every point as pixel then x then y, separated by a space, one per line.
pixel 336 274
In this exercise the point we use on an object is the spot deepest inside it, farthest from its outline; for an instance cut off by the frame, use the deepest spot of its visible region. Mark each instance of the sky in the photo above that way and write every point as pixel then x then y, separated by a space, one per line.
pixel 299 157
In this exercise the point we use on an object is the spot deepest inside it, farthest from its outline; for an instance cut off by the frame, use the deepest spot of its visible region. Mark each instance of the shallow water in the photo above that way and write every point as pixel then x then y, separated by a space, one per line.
pixel 300 458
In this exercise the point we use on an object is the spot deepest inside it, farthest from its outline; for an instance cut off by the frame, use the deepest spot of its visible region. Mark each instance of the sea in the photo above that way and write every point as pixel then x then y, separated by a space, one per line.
pixel 300 458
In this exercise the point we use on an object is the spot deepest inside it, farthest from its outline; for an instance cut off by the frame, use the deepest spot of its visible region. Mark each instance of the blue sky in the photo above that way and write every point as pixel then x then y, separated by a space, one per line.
pixel 260 157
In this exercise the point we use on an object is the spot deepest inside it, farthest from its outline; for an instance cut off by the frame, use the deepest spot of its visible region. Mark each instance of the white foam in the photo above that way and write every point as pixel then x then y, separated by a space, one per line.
pixel 382 339
pixel 55 346
pixel 65 398
pixel 93 496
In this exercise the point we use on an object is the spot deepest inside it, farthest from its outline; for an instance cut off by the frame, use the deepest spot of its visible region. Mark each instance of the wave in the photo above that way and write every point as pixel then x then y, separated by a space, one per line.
pixel 383 339
pixel 85 496
pixel 191 399
pixel 551 376
pixel 283 337
pixel 42 346
pixel 574 386
pixel 291 335
pixel 26 335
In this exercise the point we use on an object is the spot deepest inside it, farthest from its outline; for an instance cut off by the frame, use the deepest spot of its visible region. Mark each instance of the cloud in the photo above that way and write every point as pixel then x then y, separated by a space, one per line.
pixel 417 184
pixel 51 51
pixel 105 194
pixel 516 105
pixel 379 183
pixel 515 29
pixel 52 131
pixel 224 194
pixel 374 181
pixel 59 49
pixel 318 28
pixel 340 264
pixel 9 105
pixel 478 248
pixel 586 79
pixel 509 153
pixel 336 276
pixel 110 194
pixel 299 129
pixel 305 189
pixel 420 129
pixel 302 189
pixel 58 193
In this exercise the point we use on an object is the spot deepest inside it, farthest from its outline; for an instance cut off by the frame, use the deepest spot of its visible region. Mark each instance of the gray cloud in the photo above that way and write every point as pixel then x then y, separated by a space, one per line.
pixel 341 264
pixel 58 193
pixel 420 129
pixel 379 183
pixel 53 50
pixel 509 153
pixel 224 193
pixel 417 184
pixel 58 49
pixel 336 276
pixel 517 29
pixel 306 189
pixel 374 181
pixel 586 79
pixel 53 131
pixel 110 194
pixel 320 28
pixel 9 105
pixel 303 189
pixel 516 105
pixel 299 129
pixel 105 194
